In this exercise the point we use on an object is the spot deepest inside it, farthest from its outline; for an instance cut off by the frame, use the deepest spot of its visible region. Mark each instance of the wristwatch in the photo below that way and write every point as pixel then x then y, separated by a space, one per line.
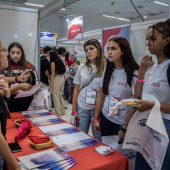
pixel 122 128
pixel 6 99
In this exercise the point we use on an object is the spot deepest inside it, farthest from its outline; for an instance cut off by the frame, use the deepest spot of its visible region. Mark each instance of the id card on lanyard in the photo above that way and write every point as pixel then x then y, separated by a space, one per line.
pixel 91 96
pixel 113 101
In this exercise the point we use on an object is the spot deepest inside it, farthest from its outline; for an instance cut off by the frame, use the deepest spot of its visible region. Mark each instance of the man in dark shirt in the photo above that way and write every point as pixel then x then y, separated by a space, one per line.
pixel 44 67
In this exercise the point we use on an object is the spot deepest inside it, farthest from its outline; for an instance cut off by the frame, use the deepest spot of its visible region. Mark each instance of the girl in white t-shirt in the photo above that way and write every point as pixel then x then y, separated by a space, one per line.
pixel 156 83
pixel 117 83
pixel 87 85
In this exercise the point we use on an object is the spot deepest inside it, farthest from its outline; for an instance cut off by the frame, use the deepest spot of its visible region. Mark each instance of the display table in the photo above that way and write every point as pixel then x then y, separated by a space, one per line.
pixel 87 158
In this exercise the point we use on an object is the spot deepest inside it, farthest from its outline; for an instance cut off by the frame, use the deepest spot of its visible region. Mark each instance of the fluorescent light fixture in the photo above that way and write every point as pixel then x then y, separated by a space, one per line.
pixel 67 20
pixel 30 34
pixel 145 17
pixel 15 36
pixel 34 4
pixel 109 16
pixel 124 19
pixel 63 9
pixel 160 3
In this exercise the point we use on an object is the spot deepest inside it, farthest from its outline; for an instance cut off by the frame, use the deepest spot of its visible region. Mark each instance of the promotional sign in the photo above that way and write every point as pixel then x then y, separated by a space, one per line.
pixel 75 28
pixel 80 54
pixel 49 39
pixel 114 32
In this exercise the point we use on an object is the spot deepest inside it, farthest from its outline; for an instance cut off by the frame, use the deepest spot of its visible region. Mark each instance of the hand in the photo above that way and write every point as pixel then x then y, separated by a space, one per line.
pixel 96 127
pixel 121 135
pixel 144 105
pixel 23 77
pixel 77 118
pixel 49 89
pixel 25 86
pixel 146 62
pixel 5 86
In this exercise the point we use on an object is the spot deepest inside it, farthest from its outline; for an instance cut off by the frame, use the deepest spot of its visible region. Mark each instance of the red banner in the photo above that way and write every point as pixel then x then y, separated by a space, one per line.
pixel 75 28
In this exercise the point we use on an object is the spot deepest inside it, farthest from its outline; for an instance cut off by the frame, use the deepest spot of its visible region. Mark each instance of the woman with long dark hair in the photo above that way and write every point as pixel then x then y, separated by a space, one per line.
pixel 156 84
pixel 68 61
pixel 87 85
pixel 17 64
pixel 117 83
pixel 57 82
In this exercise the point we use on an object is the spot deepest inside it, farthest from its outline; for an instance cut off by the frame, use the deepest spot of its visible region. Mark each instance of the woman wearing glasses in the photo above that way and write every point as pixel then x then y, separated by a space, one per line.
pixel 17 64
pixel 5 152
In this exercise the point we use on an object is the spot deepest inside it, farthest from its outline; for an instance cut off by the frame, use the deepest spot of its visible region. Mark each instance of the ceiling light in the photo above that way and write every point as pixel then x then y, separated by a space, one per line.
pixel 63 9
pixel 160 3
pixel 124 19
pixel 30 34
pixel 145 17
pixel 34 4
pixel 109 16
pixel 67 20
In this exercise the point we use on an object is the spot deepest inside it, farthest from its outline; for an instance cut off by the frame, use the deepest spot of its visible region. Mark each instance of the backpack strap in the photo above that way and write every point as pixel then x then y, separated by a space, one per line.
pixel 168 74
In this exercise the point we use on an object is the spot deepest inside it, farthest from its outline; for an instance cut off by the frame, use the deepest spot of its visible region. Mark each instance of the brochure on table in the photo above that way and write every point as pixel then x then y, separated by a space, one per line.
pixel 46 120
pixel 36 113
pixel 74 141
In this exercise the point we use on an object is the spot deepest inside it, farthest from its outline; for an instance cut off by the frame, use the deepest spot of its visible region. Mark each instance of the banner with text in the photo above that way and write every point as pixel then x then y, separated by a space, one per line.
pixel 75 28
pixel 114 32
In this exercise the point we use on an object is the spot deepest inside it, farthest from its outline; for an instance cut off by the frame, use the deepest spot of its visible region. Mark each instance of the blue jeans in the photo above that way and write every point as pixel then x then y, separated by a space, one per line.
pixel 85 117
pixel 1 162
pixel 141 164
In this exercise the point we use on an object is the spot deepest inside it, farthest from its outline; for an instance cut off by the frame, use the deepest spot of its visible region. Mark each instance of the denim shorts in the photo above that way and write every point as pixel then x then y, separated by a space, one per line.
pixel 1 162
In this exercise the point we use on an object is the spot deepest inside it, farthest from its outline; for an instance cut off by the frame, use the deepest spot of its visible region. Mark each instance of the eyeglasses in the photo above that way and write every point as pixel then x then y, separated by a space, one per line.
pixel 5 50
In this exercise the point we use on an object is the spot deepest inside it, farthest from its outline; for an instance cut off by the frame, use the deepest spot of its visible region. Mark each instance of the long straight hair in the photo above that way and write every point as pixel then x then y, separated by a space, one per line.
pixel 100 64
pixel 128 62
pixel 59 65
pixel 21 62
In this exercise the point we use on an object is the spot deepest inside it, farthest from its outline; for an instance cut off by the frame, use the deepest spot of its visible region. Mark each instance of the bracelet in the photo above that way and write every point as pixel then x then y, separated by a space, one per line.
pixel 95 120
pixel 74 111
pixel 140 81
pixel 16 78
pixel 6 99
pixel 122 128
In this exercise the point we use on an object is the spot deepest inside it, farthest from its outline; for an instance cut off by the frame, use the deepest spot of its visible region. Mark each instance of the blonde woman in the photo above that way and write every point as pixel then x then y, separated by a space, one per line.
pixel 87 85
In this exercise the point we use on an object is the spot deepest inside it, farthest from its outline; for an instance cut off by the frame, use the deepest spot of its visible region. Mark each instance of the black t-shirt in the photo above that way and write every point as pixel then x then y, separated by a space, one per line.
pixel 3 112
pixel 44 66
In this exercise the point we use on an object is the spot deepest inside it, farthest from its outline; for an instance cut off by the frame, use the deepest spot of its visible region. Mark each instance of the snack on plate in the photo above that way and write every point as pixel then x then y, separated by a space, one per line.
pixel 40 141
pixel 19 121
pixel 129 102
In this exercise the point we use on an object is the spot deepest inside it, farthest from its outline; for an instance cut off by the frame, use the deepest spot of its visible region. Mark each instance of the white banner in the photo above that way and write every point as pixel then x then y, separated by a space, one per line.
pixel 49 39
pixel 146 134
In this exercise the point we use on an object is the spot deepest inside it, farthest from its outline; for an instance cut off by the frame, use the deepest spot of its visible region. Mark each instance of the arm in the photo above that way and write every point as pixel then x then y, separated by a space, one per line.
pixel 6 153
pixel 75 98
pixel 146 62
pixel 98 109
pixel 21 86
pixel 52 76
pixel 47 74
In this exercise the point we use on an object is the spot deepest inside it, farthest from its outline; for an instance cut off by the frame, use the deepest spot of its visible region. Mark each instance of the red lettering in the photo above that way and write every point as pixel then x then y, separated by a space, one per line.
pixel 155 84
pixel 120 83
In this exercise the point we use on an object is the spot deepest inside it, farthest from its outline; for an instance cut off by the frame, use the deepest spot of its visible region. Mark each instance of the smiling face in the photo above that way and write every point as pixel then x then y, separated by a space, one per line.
pixel 114 52
pixel 155 41
pixel 91 52
pixel 15 54
pixel 3 56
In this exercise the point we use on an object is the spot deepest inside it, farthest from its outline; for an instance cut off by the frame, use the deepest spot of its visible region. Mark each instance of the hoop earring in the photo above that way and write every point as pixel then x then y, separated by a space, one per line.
pixel 162 47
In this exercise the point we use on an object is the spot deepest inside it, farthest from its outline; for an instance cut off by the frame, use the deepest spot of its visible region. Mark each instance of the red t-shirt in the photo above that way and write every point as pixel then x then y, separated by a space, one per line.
pixel 69 62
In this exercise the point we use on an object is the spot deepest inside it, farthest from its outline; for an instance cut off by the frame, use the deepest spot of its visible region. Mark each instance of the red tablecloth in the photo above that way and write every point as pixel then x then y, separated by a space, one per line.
pixel 87 158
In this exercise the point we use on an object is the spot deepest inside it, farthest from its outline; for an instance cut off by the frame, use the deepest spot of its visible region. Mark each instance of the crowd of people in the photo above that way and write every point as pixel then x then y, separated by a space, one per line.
pixel 93 87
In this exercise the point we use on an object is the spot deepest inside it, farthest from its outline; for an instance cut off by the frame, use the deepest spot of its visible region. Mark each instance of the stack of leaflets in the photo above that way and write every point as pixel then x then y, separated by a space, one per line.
pixel 36 113
pixel 59 129
pixel 46 120
pixel 55 159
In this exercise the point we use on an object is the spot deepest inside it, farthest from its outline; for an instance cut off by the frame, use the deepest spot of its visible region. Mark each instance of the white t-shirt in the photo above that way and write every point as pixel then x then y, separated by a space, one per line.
pixel 82 77
pixel 157 84
pixel 119 88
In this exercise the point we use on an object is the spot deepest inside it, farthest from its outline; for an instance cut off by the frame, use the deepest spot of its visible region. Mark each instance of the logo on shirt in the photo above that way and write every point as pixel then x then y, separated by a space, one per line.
pixel 142 122
pixel 155 84
pixel 119 83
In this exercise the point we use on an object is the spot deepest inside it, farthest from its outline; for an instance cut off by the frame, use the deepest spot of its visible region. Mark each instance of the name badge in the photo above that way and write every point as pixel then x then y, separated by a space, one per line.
pixel 91 96
pixel 113 101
